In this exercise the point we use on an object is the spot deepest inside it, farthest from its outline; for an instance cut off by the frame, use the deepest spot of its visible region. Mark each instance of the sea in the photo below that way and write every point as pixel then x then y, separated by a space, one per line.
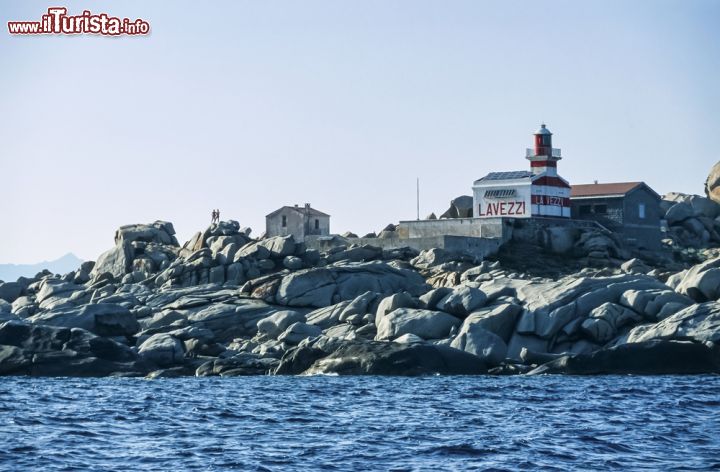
pixel 361 423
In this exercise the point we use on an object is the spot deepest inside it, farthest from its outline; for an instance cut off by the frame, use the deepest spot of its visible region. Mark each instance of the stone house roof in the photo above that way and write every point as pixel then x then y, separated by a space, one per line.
pixel 303 210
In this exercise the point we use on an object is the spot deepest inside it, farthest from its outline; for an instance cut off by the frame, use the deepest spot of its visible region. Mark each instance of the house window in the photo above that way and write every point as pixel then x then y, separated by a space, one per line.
pixel 585 210
pixel 641 210
pixel 317 224
pixel 601 209
pixel 284 221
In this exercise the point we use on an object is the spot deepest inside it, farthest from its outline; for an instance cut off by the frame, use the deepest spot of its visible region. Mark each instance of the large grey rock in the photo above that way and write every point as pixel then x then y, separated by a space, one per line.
pixel 292 262
pixel 160 232
pixel 392 303
pixel 252 250
pixel 357 253
pixel 356 310
pixel 460 207
pixel 651 303
pixel 27 349
pixel 321 287
pixel 231 320
pixel 657 357
pixel 699 323
pixel 606 320
pixel 712 183
pixel 562 239
pixel 275 324
pixel 704 206
pixel 478 341
pixel 299 331
pixel 424 323
pixel 279 246
pixel 118 260
pixel 104 319
pixel 381 358
pixel 162 319
pixel 52 289
pixel 462 300
pixel 328 316
pixel 239 365
pixel 226 254
pixel 635 266
pixel 430 299
pixel 499 319
pixel 162 349
pixel 701 282
pixel 551 305
pixel 115 261
pixel 679 212
pixel 437 256
pixel 342 331
pixel 10 291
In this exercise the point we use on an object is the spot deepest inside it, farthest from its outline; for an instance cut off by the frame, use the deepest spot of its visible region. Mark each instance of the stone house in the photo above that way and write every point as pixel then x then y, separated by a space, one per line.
pixel 629 208
pixel 297 221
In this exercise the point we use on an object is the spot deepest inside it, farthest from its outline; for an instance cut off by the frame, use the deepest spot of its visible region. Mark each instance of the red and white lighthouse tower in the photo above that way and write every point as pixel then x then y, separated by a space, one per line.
pixel 525 194
pixel 550 192
pixel 543 158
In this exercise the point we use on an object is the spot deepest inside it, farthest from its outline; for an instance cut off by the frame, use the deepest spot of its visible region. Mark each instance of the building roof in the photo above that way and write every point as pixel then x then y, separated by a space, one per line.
pixel 543 130
pixel 615 189
pixel 305 210
pixel 513 175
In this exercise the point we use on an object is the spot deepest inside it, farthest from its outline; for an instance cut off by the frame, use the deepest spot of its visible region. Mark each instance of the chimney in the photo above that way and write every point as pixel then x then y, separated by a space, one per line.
pixel 307 206
pixel 296 205
pixel 596 182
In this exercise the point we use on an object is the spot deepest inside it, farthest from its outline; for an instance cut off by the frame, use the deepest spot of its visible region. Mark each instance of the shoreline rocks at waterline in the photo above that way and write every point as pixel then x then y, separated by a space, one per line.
pixel 225 304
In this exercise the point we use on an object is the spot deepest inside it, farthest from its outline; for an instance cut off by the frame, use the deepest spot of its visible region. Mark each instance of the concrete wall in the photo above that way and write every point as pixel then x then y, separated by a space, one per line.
pixel 479 247
pixel 468 227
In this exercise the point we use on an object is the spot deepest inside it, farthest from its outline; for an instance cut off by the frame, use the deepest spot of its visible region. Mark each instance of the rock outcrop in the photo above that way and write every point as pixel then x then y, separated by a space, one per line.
pixel 225 304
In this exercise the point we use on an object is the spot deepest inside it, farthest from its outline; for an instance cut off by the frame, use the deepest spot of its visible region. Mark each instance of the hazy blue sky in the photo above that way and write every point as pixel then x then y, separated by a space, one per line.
pixel 248 106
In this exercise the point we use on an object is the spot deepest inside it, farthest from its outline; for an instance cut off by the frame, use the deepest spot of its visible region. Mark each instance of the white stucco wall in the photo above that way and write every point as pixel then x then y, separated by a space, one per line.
pixel 517 206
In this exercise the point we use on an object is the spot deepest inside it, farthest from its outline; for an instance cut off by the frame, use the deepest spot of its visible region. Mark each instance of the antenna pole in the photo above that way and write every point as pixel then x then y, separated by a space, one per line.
pixel 418 197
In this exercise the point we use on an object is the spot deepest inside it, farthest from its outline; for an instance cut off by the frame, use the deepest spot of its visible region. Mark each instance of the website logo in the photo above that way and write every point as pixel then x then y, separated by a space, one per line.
pixel 57 21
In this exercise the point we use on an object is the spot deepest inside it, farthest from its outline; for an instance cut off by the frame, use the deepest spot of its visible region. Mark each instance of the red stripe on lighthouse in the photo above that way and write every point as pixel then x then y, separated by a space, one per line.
pixel 551 182
pixel 543 164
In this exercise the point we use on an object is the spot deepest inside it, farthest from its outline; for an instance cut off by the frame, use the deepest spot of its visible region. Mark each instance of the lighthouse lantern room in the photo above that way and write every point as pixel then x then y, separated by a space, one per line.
pixel 524 194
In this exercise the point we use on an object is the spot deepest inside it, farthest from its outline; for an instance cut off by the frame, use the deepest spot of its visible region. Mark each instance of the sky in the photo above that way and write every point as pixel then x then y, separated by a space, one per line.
pixel 246 106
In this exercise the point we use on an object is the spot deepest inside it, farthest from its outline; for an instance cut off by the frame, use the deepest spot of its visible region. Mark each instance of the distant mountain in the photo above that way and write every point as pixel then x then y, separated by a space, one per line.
pixel 67 263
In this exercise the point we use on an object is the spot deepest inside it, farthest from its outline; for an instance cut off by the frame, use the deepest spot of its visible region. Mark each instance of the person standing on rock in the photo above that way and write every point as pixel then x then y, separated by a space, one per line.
pixel 217 216
pixel 214 217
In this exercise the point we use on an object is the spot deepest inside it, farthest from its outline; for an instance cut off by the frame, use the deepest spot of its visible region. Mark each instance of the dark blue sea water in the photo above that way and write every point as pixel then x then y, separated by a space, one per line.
pixel 361 423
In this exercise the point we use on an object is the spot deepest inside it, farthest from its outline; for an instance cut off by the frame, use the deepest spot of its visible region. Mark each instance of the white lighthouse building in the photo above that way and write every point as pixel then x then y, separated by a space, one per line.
pixel 524 194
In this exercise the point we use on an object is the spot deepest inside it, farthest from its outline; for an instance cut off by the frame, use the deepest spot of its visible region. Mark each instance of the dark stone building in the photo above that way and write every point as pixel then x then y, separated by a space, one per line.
pixel 629 208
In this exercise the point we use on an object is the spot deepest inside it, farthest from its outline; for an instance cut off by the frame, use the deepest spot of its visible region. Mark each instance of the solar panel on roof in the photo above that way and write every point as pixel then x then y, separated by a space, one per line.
pixel 518 174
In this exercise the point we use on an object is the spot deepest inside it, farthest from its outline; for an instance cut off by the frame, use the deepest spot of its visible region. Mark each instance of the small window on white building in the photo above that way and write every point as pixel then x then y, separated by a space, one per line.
pixel 317 224
pixel 641 210
pixel 284 221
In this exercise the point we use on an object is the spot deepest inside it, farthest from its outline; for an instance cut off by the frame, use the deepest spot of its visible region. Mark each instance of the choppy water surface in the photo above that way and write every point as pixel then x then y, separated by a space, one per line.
pixel 361 423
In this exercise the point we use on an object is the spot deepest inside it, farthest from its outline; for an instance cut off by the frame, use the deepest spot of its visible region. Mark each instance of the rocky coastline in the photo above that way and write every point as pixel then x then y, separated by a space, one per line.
pixel 226 304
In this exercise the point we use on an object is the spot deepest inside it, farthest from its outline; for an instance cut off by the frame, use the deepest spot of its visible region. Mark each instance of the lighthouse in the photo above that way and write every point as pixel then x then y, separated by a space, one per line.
pixel 539 192
pixel 550 192
pixel 543 158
